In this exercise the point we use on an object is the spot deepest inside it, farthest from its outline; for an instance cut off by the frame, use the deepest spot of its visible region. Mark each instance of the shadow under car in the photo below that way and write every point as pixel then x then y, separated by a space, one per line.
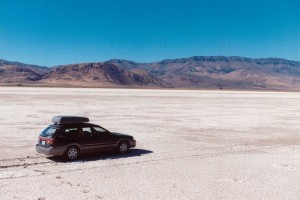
pixel 103 156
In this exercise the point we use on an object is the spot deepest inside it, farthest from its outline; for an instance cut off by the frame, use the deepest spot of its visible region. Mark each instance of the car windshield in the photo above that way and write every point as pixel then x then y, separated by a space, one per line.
pixel 49 132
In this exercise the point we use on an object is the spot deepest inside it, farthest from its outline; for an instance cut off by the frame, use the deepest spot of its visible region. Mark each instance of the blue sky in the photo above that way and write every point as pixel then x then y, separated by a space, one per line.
pixel 52 32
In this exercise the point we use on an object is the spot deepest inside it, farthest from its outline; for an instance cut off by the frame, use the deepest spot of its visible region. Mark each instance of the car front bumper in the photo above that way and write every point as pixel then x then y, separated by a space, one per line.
pixel 132 143
pixel 50 150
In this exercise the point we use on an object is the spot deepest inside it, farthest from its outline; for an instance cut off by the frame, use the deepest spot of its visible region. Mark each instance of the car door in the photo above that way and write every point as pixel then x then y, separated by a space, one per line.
pixel 104 139
pixel 86 140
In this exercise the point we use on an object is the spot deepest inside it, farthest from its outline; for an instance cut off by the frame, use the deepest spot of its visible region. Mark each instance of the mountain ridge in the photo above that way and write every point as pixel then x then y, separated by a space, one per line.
pixel 200 72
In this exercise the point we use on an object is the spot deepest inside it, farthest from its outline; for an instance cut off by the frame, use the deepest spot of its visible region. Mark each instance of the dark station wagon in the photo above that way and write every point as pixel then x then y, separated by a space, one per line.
pixel 70 136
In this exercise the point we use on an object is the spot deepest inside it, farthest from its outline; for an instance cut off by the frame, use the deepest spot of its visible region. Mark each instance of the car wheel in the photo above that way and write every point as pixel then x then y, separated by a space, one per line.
pixel 72 153
pixel 123 147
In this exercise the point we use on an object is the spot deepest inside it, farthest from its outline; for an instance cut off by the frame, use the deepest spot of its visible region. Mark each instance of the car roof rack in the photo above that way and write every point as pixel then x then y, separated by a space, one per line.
pixel 69 119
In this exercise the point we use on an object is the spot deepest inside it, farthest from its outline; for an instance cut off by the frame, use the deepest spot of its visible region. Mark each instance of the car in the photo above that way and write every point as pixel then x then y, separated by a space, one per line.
pixel 70 136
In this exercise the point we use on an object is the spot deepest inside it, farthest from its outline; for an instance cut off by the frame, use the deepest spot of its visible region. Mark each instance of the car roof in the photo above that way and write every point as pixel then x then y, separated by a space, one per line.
pixel 73 124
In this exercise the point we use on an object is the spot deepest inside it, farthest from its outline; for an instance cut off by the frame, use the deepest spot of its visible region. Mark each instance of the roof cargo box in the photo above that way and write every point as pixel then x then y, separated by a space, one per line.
pixel 69 119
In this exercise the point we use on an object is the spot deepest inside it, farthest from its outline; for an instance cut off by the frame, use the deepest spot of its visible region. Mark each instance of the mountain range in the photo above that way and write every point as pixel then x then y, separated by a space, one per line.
pixel 198 72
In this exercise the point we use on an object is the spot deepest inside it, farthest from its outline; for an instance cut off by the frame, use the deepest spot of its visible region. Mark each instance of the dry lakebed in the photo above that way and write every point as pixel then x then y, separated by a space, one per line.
pixel 190 144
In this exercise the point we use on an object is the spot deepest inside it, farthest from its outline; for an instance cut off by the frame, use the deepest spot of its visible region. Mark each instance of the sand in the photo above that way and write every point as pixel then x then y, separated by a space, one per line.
pixel 190 144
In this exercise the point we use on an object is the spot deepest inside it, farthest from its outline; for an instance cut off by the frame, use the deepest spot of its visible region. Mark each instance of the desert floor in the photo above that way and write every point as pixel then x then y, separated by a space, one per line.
pixel 190 145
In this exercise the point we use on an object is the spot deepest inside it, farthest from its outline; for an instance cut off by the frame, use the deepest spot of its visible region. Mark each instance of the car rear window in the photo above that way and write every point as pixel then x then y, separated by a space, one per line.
pixel 49 132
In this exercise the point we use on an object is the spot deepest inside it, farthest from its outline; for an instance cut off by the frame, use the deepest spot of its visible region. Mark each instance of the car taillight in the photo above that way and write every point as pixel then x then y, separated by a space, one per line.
pixel 51 141
pixel 47 140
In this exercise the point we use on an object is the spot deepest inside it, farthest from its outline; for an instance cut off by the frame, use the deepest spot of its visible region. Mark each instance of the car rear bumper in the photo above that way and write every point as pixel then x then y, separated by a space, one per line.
pixel 50 150
pixel 132 143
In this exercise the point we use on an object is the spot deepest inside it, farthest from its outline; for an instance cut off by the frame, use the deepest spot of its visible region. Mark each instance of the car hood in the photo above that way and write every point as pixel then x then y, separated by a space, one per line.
pixel 122 135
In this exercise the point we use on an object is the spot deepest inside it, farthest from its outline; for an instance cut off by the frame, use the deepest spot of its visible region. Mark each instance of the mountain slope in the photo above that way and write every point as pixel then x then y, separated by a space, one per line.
pixel 15 72
pixel 99 74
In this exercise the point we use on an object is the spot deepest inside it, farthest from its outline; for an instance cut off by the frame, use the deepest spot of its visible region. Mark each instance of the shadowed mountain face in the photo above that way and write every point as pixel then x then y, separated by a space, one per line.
pixel 205 72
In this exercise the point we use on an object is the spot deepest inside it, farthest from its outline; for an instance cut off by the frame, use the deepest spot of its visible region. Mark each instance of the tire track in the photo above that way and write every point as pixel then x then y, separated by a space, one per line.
pixel 22 162
pixel 168 158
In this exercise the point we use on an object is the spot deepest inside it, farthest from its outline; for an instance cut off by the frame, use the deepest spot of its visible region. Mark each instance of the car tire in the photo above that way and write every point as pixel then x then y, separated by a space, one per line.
pixel 123 147
pixel 72 153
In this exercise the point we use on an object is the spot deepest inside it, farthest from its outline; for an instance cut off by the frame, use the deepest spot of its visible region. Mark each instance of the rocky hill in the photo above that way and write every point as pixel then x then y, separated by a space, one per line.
pixel 16 72
pixel 99 74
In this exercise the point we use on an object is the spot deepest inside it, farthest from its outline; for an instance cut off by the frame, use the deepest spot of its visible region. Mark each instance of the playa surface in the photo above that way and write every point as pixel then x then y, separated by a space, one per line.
pixel 190 144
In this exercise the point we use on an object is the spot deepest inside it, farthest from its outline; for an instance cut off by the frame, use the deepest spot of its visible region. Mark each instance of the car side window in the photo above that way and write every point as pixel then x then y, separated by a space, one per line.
pixel 98 131
pixel 69 133
pixel 87 132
